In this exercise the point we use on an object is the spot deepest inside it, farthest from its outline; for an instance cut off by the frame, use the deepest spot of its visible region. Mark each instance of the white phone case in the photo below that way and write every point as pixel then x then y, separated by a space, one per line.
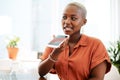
pixel 57 41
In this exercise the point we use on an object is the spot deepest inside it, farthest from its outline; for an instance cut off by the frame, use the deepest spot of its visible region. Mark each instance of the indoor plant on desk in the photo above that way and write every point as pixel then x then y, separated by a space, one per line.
pixel 12 47
pixel 114 51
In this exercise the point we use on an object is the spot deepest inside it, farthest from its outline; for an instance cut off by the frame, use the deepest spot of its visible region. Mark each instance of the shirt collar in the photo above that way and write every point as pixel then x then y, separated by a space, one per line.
pixel 83 41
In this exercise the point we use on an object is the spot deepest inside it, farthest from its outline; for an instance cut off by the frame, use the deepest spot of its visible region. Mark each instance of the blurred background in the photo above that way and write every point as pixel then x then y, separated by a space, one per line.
pixel 36 21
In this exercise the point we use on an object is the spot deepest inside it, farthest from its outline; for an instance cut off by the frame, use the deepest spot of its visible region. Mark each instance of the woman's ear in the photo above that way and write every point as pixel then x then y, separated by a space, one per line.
pixel 85 21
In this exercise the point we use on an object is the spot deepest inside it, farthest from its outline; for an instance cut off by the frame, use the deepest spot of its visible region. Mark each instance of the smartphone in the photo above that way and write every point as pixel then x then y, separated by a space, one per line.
pixel 57 41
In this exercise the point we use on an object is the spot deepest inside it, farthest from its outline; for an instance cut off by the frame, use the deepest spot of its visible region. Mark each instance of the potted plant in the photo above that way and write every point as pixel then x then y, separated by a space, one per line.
pixel 114 51
pixel 12 47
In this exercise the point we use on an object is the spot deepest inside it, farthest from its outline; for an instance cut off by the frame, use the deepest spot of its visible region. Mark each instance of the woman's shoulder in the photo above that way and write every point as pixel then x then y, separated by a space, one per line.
pixel 46 53
pixel 91 39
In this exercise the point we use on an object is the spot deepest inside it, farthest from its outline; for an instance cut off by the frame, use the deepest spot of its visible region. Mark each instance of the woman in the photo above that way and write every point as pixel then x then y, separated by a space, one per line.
pixel 80 57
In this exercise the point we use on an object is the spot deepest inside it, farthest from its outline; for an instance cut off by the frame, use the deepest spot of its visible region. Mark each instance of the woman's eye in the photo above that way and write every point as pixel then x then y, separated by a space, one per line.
pixel 73 18
pixel 64 17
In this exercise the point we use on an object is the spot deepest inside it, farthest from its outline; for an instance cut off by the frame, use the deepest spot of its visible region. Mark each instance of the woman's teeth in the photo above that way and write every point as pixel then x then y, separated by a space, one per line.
pixel 68 28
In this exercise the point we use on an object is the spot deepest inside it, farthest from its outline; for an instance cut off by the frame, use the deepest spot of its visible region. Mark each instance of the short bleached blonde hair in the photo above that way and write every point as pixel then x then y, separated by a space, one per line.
pixel 79 6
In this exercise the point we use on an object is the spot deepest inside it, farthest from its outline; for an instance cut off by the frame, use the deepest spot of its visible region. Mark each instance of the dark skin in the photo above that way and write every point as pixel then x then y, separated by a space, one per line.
pixel 72 21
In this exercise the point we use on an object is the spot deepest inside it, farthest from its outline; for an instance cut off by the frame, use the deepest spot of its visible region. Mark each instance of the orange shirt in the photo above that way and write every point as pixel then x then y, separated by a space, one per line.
pixel 87 54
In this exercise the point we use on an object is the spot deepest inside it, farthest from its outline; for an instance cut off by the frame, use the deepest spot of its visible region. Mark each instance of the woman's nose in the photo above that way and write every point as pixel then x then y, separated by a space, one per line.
pixel 67 21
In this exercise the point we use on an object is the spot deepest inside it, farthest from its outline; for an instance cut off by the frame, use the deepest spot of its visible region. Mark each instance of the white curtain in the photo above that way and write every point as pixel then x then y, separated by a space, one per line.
pixel 115 19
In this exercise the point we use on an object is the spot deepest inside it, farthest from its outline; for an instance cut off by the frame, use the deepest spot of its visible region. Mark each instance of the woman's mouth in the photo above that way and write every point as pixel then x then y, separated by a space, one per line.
pixel 67 29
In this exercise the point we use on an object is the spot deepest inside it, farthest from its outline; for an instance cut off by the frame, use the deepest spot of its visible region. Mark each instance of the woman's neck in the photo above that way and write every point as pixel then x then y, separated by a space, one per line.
pixel 74 38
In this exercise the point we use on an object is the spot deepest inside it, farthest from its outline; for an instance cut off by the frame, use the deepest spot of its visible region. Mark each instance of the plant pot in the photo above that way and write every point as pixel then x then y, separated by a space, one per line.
pixel 12 53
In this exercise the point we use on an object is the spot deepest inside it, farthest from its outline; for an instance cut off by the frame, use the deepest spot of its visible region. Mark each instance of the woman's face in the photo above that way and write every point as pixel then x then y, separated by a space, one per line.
pixel 72 20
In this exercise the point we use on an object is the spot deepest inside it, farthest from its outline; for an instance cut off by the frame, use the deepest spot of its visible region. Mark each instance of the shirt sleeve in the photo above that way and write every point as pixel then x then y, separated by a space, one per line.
pixel 46 53
pixel 99 55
